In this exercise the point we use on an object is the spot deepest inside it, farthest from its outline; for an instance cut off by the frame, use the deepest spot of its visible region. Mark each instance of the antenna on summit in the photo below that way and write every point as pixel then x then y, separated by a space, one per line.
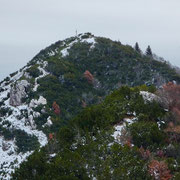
pixel 76 32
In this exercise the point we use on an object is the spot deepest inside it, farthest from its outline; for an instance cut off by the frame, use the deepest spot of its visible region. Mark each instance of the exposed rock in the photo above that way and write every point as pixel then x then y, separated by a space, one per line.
pixel 49 122
pixel 31 122
pixel 43 110
pixel 147 96
pixel 36 114
pixel 35 102
pixel 17 92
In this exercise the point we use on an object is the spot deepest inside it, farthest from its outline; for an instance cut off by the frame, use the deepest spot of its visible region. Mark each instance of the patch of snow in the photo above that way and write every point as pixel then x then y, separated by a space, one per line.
pixel 120 127
pixel 147 96
pixel 49 122
pixel 90 40
pixel 4 94
pixel 26 74
pixel 9 159
pixel 52 53
pixel 36 114
pixel 52 155
pixel 44 73
pixel 35 102
pixel 20 74
pixel 65 52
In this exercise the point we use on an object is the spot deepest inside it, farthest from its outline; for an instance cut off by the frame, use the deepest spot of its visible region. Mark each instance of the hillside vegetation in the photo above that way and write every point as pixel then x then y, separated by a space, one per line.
pixel 89 148
pixel 60 99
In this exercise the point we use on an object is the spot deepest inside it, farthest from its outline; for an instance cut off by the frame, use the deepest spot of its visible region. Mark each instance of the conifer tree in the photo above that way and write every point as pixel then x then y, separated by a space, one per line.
pixel 137 47
pixel 149 51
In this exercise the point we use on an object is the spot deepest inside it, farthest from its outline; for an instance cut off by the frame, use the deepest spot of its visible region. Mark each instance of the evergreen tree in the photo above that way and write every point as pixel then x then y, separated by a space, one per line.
pixel 149 51
pixel 137 47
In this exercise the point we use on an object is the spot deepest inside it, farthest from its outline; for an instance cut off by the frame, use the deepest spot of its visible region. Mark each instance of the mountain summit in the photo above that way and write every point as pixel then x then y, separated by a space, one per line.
pixel 62 80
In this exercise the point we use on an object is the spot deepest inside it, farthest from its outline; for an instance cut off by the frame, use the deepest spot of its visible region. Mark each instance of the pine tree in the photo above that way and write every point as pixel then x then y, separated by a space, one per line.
pixel 137 47
pixel 149 51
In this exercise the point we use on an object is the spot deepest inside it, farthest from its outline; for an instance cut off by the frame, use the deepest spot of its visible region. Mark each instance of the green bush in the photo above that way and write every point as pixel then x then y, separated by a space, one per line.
pixel 34 71
pixel 147 134
pixel 25 142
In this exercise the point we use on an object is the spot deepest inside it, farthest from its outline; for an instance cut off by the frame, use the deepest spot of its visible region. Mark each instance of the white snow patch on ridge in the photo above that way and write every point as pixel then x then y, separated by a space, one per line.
pixel 65 52
pixel 147 96
pixel 44 73
pixel 90 40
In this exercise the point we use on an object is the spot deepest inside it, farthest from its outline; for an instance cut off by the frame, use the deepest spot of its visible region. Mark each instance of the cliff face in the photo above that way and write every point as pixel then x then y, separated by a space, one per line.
pixel 74 73
pixel 18 92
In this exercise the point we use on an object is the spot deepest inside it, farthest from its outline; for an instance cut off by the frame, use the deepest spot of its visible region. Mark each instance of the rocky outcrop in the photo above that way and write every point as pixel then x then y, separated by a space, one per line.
pixel 31 122
pixel 18 92
pixel 34 102
pixel 49 122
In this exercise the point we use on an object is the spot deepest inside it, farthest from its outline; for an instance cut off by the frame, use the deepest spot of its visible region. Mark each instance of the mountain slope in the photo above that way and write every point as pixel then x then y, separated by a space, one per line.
pixel 59 82
pixel 124 137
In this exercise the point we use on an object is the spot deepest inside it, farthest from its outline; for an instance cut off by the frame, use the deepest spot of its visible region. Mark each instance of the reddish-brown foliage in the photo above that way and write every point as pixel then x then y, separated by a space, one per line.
pixel 159 170
pixel 171 125
pixel 175 130
pixel 128 143
pixel 160 153
pixel 50 136
pixel 144 153
pixel 170 96
pixel 56 108
pixel 89 77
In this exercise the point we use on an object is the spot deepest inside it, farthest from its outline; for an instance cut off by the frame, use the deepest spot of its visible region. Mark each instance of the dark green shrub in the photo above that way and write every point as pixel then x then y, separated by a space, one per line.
pixel 25 142
pixel 34 71
pixel 147 134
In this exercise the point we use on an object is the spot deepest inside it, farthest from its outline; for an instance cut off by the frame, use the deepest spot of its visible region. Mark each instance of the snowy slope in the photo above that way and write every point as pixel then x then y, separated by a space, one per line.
pixel 15 119
pixel 9 157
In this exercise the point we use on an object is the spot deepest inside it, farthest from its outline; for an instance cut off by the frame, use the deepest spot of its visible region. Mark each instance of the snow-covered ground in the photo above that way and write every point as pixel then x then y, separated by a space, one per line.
pixel 44 73
pixel 90 40
pixel 9 158
pixel 120 127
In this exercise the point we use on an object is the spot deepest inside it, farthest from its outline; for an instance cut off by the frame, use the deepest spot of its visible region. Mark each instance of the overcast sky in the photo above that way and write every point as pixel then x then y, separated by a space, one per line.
pixel 27 26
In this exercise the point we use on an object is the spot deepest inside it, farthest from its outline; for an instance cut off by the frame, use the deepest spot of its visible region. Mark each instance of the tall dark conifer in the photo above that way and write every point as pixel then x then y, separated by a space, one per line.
pixel 137 47
pixel 149 51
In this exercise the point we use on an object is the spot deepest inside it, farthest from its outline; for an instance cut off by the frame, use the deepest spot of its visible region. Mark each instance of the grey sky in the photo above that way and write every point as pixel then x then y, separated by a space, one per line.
pixel 28 26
